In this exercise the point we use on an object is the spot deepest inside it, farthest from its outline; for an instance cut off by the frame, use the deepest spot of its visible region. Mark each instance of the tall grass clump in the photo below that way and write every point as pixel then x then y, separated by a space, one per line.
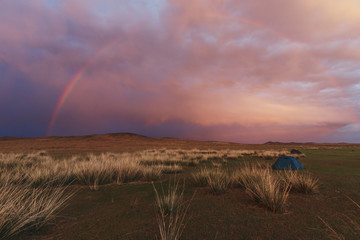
pixel 199 178
pixel 219 181
pixel 106 168
pixel 301 182
pixel 94 174
pixel 25 208
pixel 247 175
pixel 152 173
pixel 40 168
pixel 264 187
pixel 171 211
pixel 36 169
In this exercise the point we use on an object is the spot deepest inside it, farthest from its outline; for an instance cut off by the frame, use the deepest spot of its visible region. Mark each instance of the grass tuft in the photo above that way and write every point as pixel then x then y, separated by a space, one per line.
pixel 301 182
pixel 172 211
pixel 199 178
pixel 25 208
pixel 219 181
pixel 264 187
pixel 152 173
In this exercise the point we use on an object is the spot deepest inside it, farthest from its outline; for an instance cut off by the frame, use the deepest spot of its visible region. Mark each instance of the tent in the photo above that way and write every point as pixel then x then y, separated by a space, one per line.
pixel 287 163
pixel 294 151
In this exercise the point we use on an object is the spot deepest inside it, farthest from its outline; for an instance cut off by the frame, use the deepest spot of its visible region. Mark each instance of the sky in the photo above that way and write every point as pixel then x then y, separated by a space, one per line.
pixel 246 71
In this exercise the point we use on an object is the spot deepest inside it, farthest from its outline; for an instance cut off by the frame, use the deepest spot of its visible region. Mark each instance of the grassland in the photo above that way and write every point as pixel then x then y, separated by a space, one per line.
pixel 227 190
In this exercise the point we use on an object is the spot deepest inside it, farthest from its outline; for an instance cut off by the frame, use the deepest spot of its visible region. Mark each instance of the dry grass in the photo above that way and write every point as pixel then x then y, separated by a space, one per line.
pixel 301 182
pixel 172 211
pixel 151 173
pixel 39 168
pixel 219 181
pixel 25 208
pixel 93 170
pixel 199 178
pixel 106 168
pixel 268 192
pixel 195 156
pixel 171 197
pixel 333 234
pixel 36 170
pixel 171 169
pixel 264 187
pixel 354 225
pixel 247 174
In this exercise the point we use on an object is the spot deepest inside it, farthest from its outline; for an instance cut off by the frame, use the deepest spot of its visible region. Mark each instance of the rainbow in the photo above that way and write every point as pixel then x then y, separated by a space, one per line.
pixel 81 71
pixel 73 82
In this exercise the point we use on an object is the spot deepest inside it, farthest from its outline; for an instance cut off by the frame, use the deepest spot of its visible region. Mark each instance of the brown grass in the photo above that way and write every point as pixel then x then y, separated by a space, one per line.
pixel 199 178
pixel 171 169
pixel 124 142
pixel 219 181
pixel 247 174
pixel 39 168
pixel 352 222
pixel 171 211
pixel 106 168
pixel 92 170
pixel 25 208
pixel 301 182
pixel 264 187
pixel 334 234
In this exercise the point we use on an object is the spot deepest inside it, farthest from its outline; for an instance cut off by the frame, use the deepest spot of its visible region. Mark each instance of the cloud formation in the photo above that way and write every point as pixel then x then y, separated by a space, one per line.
pixel 248 71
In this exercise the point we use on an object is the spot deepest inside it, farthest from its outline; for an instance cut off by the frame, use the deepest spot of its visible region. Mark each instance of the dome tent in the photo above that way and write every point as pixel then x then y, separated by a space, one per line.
pixel 287 163
pixel 294 151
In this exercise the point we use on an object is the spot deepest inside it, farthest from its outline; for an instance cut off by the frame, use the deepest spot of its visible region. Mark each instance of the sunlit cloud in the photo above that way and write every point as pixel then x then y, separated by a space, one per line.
pixel 248 71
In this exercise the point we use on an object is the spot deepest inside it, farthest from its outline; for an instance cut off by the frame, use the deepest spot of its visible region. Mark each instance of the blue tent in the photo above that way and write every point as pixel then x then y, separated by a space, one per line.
pixel 294 151
pixel 287 163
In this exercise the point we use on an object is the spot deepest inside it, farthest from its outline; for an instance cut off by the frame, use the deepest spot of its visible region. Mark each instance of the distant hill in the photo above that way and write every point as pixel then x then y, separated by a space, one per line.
pixel 130 142
pixel 290 143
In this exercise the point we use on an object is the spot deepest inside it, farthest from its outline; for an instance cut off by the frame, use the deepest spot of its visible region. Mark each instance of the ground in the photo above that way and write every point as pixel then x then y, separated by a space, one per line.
pixel 128 211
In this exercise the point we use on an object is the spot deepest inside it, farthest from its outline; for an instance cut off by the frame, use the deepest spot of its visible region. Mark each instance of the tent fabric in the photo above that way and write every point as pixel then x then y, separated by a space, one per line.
pixel 287 163
pixel 294 151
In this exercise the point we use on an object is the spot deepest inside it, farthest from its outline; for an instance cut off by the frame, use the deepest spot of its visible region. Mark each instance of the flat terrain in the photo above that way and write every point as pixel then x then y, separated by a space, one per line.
pixel 127 211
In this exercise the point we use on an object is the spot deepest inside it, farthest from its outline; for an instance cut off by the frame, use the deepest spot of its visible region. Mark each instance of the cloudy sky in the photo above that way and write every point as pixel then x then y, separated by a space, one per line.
pixel 246 71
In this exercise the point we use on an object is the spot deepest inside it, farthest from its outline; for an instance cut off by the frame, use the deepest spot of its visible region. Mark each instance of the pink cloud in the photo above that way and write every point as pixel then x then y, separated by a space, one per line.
pixel 251 66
